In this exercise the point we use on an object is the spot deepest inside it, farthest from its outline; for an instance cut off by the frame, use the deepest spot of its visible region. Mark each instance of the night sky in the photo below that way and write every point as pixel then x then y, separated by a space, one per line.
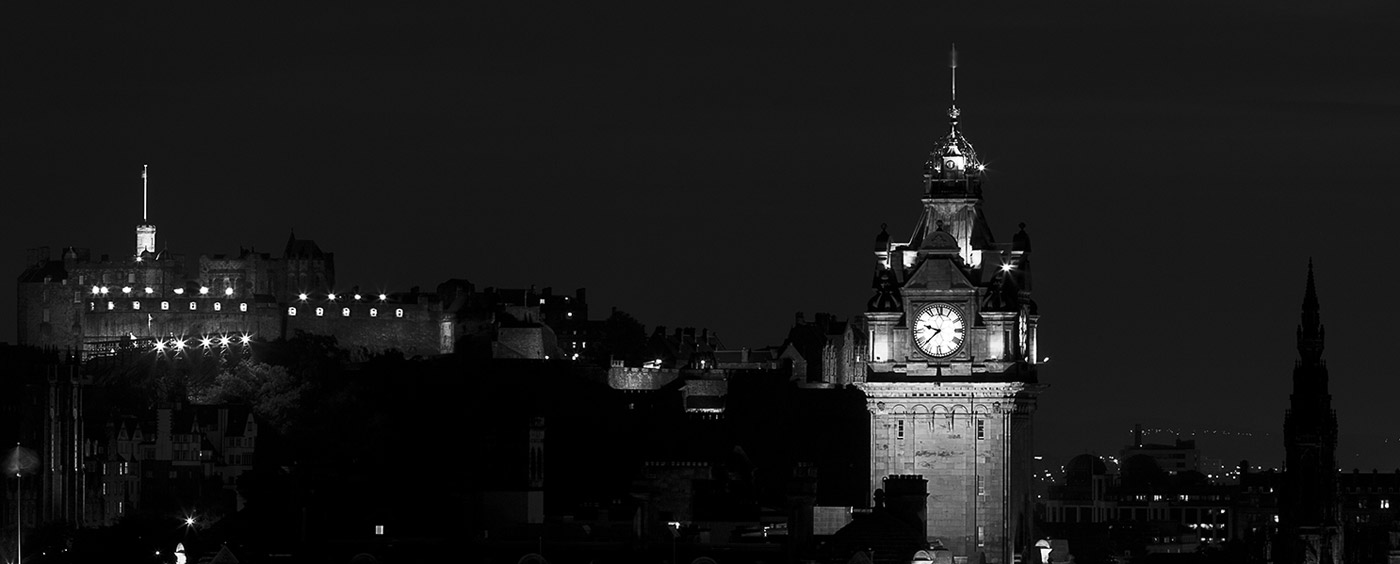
pixel 727 165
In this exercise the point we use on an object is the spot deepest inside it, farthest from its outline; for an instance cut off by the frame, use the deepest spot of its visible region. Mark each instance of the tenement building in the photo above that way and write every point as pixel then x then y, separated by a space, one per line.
pixel 947 361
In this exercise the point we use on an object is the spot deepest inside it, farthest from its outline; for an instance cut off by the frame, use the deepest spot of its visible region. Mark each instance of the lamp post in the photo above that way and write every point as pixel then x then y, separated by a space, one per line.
pixel 19 462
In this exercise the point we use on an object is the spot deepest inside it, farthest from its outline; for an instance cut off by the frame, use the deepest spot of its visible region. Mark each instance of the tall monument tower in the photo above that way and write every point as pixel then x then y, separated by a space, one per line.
pixel 949 366
pixel 1308 509
pixel 146 231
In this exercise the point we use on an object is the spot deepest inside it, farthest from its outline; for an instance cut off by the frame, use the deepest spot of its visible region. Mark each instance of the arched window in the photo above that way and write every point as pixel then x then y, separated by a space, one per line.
pixel 243 306
pixel 398 312
pixel 291 312
pixel 193 306
pixel 135 305
pixel 345 312
pixel 218 306
pixel 320 311
pixel 165 306
pixel 374 312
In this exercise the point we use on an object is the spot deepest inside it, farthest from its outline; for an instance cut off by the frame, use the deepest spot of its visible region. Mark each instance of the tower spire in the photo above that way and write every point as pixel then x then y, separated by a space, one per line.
pixel 953 64
pixel 145 232
pixel 1310 331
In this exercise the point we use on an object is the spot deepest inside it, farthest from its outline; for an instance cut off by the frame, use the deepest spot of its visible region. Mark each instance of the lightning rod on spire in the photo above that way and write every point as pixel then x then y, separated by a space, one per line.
pixel 953 64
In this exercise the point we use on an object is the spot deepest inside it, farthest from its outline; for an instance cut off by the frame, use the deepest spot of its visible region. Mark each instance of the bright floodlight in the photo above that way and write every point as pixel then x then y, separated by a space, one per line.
pixel 95 289
pixel 160 346
pixel 104 289
pixel 1006 267
pixel 383 297
pixel 179 344
pixel 205 342
pixel 179 291
pixel 245 339
pixel 126 289
pixel 302 296
pixel 331 296
pixel 189 521
pixel 149 290
pixel 203 290
pixel 357 297
pixel 228 291
pixel 223 341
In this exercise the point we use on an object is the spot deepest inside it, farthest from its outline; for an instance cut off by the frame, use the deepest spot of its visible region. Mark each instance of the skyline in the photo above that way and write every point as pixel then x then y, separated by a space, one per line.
pixel 736 171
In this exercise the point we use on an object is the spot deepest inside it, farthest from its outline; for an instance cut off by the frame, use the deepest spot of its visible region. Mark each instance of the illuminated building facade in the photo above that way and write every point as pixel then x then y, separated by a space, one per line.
pixel 946 356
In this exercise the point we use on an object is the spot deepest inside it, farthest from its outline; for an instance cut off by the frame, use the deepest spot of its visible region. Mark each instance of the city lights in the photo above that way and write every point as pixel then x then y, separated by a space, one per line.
pixel 331 296
pixel 203 290
pixel 179 291
pixel 149 290
pixel 126 289
pixel 205 342
pixel 245 339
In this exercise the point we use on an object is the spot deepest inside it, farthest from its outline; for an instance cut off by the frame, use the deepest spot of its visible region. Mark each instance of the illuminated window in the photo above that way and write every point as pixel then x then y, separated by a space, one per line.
pixel 243 306
pixel 1385 504
pixel 345 312
pixel 291 312
pixel 981 487
pixel 218 306
pixel 398 313
pixel 111 305
pixel 164 306
pixel 373 312
pixel 320 311
pixel 193 306
pixel 135 305
pixel 379 529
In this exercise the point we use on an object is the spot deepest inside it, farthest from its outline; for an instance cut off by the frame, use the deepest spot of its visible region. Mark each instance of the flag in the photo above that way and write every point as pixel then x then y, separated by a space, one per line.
pixel 20 461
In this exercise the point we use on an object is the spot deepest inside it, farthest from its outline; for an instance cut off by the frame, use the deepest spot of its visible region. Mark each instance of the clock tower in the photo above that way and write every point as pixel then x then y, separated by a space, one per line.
pixel 948 364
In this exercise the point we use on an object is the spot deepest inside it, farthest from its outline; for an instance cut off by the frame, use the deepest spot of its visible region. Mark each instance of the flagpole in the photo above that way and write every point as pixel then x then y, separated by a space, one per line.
pixel 19 531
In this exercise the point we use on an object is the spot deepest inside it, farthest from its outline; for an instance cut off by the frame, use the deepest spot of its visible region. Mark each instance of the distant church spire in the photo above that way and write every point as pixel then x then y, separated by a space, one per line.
pixel 145 232
pixel 1310 331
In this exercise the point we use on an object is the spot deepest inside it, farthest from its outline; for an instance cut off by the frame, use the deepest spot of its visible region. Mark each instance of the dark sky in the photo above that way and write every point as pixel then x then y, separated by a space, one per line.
pixel 724 165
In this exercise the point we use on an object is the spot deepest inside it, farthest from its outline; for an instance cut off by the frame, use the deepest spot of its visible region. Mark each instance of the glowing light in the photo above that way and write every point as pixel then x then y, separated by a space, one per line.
pixel 228 291
pixel 981 167
pixel 383 297
pixel 104 289
pixel 126 289
pixel 203 290
pixel 159 346
pixel 301 296
pixel 330 296
pixel 357 297
pixel 179 291
pixel 205 342
pixel 189 521
pixel 149 290
pixel 1006 267
pixel 223 341
pixel 245 339
pixel 179 344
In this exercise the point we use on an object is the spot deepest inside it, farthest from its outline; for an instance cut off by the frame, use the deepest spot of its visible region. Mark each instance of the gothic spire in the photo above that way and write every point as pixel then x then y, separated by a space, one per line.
pixel 1310 331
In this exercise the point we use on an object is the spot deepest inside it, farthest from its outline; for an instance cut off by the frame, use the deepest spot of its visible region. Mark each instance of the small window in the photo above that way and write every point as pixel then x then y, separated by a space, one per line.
pixel 320 311
pixel 131 277
pixel 899 426
pixel 164 306
pixel 374 312
pixel 46 315
pixel 398 312
pixel 218 306
pixel 111 306
pixel 291 312
pixel 194 306
pixel 981 429
pixel 243 306
pixel 981 487
pixel 345 312
pixel 134 305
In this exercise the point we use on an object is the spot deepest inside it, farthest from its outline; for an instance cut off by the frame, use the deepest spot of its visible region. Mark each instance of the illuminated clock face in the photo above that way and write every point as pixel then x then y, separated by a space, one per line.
pixel 938 330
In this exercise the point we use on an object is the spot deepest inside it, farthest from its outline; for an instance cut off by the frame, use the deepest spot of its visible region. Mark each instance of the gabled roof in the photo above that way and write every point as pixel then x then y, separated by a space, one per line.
pixel 301 248
pixel 937 273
